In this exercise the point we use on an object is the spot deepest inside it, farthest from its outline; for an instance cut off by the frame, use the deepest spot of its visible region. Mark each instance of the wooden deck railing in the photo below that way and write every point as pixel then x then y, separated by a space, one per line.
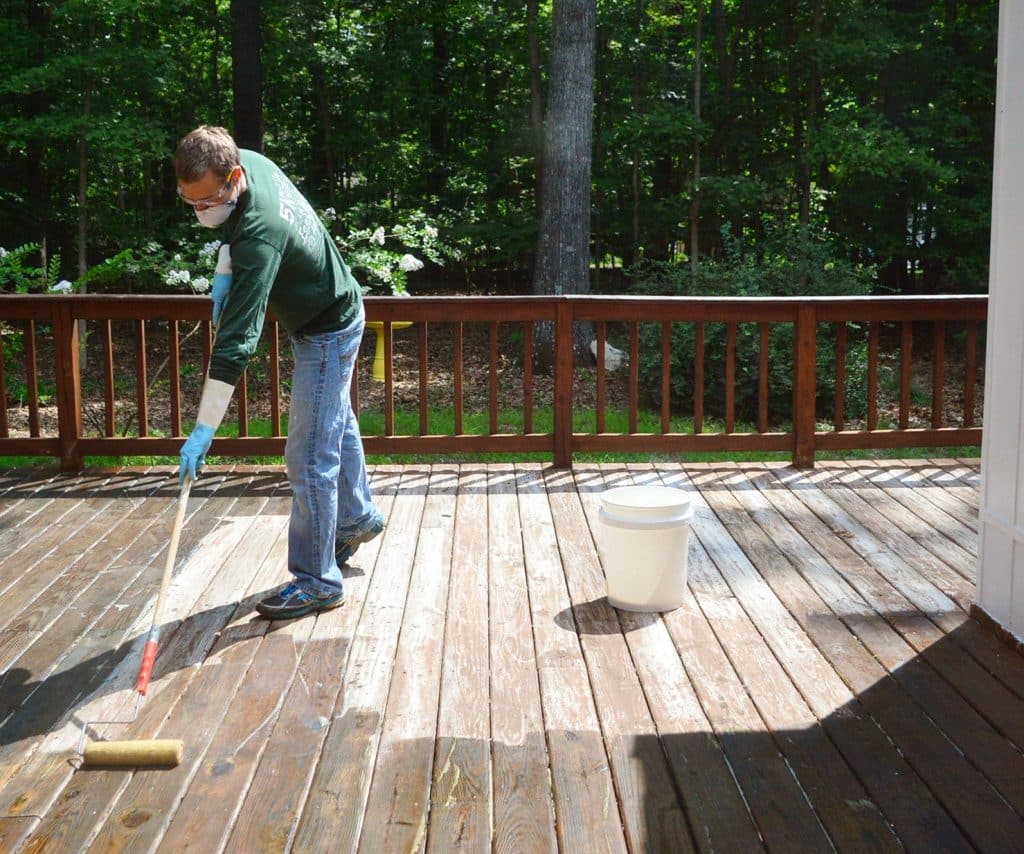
pixel 43 372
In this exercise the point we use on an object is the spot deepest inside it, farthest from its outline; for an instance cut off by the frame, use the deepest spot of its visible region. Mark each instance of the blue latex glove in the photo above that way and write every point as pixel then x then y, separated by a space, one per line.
pixel 193 452
pixel 221 284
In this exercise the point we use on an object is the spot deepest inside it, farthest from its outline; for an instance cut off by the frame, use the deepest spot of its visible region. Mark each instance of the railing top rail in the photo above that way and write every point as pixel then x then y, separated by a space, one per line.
pixel 531 307
pixel 468 299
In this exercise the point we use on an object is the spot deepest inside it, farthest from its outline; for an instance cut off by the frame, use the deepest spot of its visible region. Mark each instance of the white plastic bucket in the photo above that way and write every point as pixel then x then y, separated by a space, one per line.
pixel 643 537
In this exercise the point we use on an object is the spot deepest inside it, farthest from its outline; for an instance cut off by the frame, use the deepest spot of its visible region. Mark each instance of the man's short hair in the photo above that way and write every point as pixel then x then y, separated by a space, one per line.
pixel 207 147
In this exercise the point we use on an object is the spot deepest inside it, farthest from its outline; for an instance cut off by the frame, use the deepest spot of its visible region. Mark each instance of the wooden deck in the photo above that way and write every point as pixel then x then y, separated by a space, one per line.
pixel 822 686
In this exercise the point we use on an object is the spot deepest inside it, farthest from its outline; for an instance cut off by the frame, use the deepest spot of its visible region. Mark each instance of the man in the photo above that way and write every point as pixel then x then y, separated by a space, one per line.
pixel 282 257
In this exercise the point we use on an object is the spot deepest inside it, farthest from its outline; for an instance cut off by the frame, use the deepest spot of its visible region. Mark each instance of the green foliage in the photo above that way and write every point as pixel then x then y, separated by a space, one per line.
pixel 872 125
pixel 16 277
pixel 786 264
pixel 382 259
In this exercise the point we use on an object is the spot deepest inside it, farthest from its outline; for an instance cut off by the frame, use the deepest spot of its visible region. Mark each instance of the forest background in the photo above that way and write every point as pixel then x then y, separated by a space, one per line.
pixel 738 147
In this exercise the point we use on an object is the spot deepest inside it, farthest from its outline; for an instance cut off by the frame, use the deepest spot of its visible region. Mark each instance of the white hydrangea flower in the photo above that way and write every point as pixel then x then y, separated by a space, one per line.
pixel 431 231
pixel 409 263
pixel 2 252
pixel 177 256
pixel 378 236
pixel 330 214
pixel 178 277
pixel 152 246
pixel 62 287
pixel 201 285
pixel 208 253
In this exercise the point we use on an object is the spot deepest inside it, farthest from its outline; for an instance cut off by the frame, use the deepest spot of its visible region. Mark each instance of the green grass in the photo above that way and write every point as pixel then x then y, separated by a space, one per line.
pixel 442 422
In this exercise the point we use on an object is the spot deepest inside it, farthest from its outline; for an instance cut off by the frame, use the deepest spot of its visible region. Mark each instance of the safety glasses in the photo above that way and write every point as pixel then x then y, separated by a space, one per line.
pixel 209 201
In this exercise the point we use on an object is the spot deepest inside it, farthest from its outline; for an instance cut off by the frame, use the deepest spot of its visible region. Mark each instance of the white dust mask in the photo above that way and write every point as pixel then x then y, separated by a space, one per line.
pixel 217 215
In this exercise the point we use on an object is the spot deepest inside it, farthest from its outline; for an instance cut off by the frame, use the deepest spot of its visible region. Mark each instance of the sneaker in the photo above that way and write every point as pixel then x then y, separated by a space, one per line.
pixel 292 601
pixel 346 548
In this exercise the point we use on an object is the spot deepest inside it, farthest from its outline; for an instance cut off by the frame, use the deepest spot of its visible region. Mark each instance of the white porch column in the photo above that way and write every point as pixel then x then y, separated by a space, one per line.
pixel 1000 591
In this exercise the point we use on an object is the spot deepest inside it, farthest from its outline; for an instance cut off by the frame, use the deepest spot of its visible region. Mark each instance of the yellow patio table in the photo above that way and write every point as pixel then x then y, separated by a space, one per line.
pixel 378 354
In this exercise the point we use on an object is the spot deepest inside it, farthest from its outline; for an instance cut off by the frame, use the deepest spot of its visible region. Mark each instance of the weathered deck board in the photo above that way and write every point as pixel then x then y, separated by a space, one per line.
pixel 398 800
pixel 335 808
pixel 651 815
pixel 522 803
pixel 586 812
pixel 460 814
pixel 822 684
pixel 48 780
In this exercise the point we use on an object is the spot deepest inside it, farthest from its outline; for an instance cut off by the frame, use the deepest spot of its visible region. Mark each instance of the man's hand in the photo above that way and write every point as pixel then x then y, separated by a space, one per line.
pixel 193 452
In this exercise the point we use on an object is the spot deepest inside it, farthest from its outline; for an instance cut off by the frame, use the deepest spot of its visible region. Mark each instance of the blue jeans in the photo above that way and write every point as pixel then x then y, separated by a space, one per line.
pixel 324 455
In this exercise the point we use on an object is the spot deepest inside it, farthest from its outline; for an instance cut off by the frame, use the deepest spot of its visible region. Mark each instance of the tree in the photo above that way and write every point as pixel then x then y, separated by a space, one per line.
pixel 247 72
pixel 563 246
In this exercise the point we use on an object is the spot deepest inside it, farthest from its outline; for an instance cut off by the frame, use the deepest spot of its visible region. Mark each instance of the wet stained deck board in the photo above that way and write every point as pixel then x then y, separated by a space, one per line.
pixel 822 683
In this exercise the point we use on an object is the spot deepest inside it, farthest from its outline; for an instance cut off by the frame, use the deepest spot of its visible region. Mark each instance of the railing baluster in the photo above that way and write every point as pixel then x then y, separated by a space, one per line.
pixel 141 396
pixel 242 395
pixel 457 379
pixel 634 377
pixel 528 376
pixel 730 377
pixel 110 411
pixel 840 413
pixel 274 352
pixel 698 379
pixel 938 371
pixel 762 384
pixel 68 378
pixel 32 380
pixel 565 358
pixel 804 386
pixel 421 349
pixel 602 389
pixel 666 376
pixel 3 394
pixel 174 376
pixel 970 372
pixel 389 382
pixel 207 345
pixel 873 337
pixel 906 346
pixel 492 378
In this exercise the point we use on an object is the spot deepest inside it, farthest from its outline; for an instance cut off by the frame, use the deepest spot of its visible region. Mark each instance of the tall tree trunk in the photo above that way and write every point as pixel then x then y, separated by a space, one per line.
pixel 536 98
pixel 637 154
pixel 36 104
pixel 247 72
pixel 147 194
pixel 214 23
pixel 83 163
pixel 723 154
pixel 695 189
pixel 439 59
pixel 83 189
pixel 563 250
pixel 805 106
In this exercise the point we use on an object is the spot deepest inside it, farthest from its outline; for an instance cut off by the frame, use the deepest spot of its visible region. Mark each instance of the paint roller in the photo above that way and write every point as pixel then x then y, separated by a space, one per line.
pixel 164 752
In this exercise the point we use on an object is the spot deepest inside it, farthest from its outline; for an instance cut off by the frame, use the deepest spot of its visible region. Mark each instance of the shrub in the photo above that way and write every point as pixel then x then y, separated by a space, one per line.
pixel 788 264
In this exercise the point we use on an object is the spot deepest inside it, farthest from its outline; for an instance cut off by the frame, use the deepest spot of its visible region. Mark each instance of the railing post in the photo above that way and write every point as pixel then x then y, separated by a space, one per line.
pixel 69 386
pixel 564 363
pixel 805 357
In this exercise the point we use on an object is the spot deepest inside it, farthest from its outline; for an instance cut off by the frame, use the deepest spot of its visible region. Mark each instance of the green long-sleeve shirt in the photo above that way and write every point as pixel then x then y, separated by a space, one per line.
pixel 281 257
